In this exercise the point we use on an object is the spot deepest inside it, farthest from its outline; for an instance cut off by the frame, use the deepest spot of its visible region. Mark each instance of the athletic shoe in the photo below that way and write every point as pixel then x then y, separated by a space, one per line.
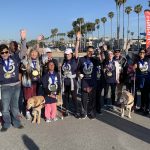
pixel 48 120
pixel 4 129
pixel 55 119
pixel 83 116
pixel 28 115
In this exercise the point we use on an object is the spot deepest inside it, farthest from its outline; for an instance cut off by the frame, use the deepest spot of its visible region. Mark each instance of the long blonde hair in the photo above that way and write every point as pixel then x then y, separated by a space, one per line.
pixel 29 60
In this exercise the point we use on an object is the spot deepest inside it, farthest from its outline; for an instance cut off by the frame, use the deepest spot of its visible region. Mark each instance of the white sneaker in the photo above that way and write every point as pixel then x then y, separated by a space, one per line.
pixel 28 115
pixel 48 120
pixel 55 119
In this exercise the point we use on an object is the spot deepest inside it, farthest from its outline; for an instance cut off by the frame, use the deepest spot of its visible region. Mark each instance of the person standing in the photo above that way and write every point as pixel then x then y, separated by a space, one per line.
pixel 69 78
pixel 87 74
pixel 51 85
pixel 122 71
pixel 31 74
pixel 142 69
pixel 111 75
pixel 10 87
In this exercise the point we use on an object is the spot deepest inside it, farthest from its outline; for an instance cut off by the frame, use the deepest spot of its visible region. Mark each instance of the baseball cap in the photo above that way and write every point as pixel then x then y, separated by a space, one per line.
pixel 68 51
pixel 47 50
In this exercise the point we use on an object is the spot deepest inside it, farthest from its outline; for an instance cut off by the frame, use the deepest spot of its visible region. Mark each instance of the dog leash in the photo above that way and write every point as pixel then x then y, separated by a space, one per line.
pixel 39 104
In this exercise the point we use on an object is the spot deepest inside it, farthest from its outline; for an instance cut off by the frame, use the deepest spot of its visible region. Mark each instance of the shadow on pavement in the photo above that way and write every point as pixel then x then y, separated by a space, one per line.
pixel 129 127
pixel 29 143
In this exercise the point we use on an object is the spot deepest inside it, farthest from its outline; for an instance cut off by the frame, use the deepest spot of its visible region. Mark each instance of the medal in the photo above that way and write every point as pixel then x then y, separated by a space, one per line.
pixel 52 87
pixel 35 73
pixel 52 84
pixel 7 75
pixel 98 75
pixel 109 74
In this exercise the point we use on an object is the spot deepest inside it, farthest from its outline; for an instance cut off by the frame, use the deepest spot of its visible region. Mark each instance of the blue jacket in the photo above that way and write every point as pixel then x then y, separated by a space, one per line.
pixel 46 83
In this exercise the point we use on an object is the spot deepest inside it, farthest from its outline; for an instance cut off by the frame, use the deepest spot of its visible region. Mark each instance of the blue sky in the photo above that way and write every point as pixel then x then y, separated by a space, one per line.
pixel 39 16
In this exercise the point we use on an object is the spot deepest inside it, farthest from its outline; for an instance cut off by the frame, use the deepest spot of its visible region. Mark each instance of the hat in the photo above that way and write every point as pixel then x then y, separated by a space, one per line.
pixel 47 50
pixel 68 51
pixel 117 50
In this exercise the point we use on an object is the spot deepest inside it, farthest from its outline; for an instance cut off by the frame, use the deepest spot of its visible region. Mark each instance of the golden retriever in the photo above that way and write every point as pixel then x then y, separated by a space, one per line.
pixel 127 102
pixel 36 103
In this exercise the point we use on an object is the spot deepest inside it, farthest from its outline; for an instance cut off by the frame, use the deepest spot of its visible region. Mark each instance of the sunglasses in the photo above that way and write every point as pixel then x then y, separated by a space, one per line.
pixel 117 52
pixel 6 52
pixel 142 52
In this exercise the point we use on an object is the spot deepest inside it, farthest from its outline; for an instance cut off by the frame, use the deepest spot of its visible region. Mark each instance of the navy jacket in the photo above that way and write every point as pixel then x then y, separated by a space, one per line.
pixel 12 75
pixel 45 83
pixel 87 67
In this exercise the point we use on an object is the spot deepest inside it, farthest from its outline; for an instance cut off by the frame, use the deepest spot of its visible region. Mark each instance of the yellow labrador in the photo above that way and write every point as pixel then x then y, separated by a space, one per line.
pixel 36 103
pixel 127 102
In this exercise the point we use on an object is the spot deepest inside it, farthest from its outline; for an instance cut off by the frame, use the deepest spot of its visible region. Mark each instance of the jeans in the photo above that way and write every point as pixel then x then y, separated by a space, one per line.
pixel 10 110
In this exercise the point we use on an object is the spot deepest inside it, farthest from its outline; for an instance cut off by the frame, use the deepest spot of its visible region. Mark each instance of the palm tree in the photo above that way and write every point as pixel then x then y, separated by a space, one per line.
pixel 97 23
pixel 128 10
pixel 118 5
pixel 80 22
pixel 103 20
pixel 137 10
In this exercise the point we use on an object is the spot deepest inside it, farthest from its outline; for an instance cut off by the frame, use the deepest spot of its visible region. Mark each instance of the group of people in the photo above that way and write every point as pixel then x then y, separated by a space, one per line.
pixel 26 73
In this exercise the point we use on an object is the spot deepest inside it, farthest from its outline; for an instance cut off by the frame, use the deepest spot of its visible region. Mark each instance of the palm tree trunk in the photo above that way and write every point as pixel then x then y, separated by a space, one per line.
pixel 80 40
pixel 123 25
pixel 119 30
pixel 127 33
pixel 111 35
pixel 117 26
pixel 98 33
pixel 138 32
pixel 104 32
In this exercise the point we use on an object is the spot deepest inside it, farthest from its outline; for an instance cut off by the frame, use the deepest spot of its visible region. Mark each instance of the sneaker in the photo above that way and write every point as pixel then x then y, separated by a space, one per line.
pixel 83 116
pixel 114 108
pixel 20 127
pixel 55 119
pixel 28 115
pixel 78 116
pixel 48 120
pixel 91 117
pixel 4 129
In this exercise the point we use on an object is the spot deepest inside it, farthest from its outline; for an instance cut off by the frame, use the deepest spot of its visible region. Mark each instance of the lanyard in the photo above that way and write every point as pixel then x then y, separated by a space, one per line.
pixel 141 62
pixel 88 62
pixel 6 65
pixel 52 76
pixel 34 64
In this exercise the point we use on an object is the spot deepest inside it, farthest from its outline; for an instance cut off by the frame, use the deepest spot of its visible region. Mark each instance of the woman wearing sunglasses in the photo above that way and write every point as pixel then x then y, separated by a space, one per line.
pixel 142 68
pixel 10 87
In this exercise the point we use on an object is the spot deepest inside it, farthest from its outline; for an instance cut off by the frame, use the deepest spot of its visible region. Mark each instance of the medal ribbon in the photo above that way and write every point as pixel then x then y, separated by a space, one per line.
pixel 88 62
pixel 34 64
pixel 52 76
pixel 6 65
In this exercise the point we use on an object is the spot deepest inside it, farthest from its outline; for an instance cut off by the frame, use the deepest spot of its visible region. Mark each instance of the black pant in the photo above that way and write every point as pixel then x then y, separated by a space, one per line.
pixel 88 102
pixel 144 98
pixel 106 90
pixel 98 98
pixel 73 93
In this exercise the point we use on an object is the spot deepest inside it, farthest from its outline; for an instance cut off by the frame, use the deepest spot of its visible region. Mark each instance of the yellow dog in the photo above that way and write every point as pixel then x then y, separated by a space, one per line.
pixel 36 103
